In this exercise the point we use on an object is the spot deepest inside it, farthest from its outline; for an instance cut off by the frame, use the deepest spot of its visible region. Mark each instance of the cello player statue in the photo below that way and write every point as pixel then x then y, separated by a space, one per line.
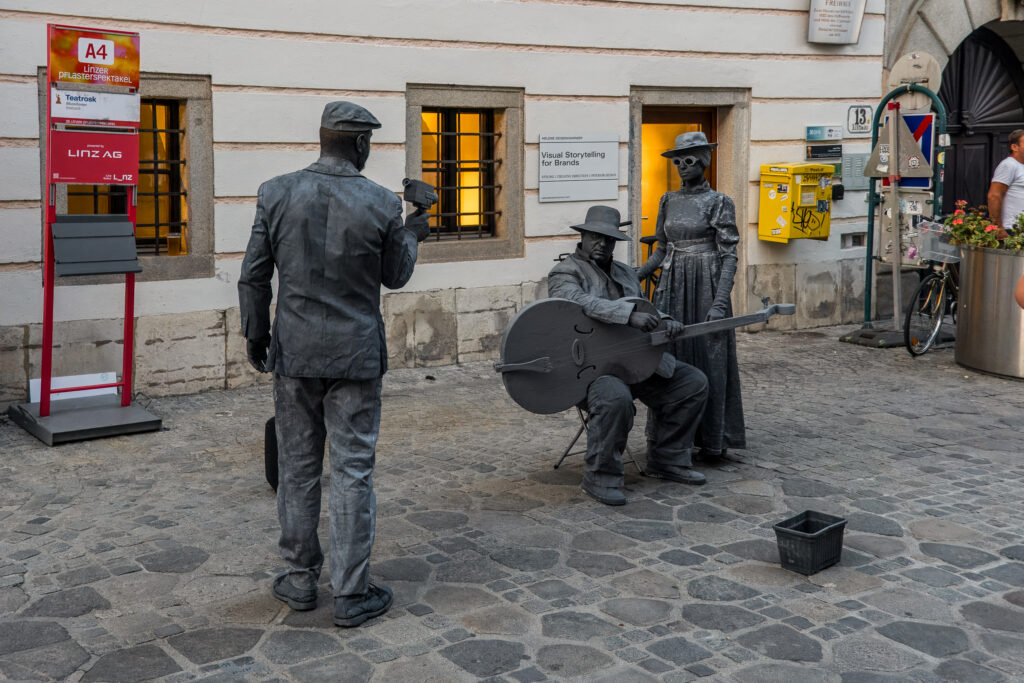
pixel 676 392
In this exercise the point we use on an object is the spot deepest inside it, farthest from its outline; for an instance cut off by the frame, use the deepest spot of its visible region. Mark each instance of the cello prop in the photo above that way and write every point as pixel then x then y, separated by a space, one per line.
pixel 552 350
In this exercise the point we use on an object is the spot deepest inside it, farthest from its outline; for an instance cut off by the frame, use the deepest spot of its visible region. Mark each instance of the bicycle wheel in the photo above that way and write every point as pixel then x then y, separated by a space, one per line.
pixel 925 314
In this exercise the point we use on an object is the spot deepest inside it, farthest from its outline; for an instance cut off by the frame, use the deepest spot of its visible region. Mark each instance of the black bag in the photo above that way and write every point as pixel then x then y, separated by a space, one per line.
pixel 270 452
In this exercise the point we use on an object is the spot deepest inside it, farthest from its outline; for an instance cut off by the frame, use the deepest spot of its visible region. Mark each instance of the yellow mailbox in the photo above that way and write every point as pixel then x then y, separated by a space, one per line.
pixel 796 202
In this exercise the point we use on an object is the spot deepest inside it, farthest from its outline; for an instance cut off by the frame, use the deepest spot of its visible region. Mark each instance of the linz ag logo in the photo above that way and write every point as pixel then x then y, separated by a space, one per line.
pixel 95 51
pixel 95 154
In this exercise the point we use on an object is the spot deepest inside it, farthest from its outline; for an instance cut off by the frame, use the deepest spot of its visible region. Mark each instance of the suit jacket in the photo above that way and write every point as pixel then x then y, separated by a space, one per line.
pixel 335 237
pixel 600 294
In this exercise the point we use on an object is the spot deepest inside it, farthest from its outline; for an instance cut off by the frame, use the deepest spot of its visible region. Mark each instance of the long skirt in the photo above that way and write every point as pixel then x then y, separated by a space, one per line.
pixel 686 291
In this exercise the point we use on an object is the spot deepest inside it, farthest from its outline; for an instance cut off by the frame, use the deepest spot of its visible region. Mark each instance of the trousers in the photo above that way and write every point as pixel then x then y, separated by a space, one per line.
pixel 677 401
pixel 345 414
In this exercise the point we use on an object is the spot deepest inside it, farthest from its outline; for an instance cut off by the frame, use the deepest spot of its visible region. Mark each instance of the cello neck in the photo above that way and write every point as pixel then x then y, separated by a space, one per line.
pixel 700 329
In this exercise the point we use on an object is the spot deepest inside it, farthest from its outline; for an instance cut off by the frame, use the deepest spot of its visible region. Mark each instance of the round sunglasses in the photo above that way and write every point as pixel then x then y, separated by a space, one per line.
pixel 687 160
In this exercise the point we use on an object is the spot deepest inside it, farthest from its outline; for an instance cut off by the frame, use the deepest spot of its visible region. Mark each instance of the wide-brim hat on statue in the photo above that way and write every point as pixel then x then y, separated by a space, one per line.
pixel 604 220
pixel 688 143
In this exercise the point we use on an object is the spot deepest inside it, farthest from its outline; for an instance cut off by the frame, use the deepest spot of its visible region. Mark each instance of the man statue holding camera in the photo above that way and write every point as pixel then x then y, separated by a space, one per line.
pixel 334 237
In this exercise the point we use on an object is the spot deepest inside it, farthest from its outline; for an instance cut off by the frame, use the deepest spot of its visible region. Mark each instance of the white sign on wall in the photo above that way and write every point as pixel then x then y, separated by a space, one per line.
pixel 579 167
pixel 94 108
pixel 835 21
pixel 858 120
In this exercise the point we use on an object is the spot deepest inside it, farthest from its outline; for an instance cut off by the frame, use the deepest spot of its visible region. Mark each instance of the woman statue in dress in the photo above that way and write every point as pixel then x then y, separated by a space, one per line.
pixel 696 251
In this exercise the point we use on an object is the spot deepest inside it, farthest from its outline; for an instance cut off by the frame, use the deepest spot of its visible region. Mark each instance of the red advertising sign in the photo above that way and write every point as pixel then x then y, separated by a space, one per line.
pixel 93 57
pixel 94 158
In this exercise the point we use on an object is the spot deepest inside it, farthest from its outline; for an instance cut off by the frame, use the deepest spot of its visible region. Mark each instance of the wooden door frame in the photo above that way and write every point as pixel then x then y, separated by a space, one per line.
pixel 731 107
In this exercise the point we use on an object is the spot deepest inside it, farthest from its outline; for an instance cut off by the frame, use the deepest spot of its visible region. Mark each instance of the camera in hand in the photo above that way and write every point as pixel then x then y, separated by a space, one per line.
pixel 419 194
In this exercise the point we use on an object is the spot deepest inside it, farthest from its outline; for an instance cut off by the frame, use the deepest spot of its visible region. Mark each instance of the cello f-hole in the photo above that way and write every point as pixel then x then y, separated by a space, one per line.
pixel 584 369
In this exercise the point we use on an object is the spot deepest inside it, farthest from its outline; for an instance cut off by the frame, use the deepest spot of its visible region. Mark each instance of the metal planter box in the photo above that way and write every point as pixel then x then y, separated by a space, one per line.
pixel 810 542
pixel 990 324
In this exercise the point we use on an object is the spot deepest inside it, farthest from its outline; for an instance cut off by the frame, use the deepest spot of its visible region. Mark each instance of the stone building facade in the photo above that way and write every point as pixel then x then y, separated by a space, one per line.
pixel 250 80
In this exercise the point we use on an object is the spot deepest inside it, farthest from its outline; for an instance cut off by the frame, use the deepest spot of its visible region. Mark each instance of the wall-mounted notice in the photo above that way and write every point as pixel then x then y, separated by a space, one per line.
pixel 579 167
pixel 835 21
pixel 82 108
pixel 820 133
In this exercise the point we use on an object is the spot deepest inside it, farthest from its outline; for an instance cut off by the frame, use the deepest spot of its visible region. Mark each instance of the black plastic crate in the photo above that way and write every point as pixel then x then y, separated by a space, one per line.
pixel 810 542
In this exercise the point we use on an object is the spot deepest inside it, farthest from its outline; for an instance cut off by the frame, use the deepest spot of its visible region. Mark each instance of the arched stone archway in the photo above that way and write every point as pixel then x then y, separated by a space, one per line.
pixel 983 93
pixel 939 26
pixel 988 37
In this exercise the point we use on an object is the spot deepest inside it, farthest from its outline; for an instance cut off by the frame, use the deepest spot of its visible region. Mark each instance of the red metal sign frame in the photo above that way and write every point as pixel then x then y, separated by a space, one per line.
pixel 99 157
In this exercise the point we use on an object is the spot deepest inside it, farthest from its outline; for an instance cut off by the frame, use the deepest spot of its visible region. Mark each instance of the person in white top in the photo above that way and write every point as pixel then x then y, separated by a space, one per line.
pixel 1006 193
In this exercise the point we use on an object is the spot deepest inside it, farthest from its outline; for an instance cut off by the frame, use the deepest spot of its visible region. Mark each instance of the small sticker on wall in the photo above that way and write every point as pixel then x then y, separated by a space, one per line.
pixel 776 231
pixel 771 194
pixel 781 221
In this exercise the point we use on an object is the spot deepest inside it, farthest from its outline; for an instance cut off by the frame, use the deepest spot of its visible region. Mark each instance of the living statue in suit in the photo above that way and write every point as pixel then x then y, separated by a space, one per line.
pixel 676 393
pixel 334 237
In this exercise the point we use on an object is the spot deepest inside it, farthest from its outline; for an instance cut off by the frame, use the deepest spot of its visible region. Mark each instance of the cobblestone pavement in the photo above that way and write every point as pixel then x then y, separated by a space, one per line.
pixel 151 555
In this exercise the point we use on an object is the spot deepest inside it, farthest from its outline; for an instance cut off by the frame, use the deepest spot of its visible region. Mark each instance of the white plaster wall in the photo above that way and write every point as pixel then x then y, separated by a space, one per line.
pixel 20 120
pixel 785 119
pixel 554 218
pixel 580 116
pixel 107 301
pixel 278 117
pixel 234 223
pixel 268 14
pixel 19 236
pixel 273 65
pixel 512 23
pixel 254 60
pixel 19 173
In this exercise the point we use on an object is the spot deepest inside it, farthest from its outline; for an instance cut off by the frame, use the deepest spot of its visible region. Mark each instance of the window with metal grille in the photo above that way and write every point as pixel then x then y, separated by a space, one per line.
pixel 458 159
pixel 161 221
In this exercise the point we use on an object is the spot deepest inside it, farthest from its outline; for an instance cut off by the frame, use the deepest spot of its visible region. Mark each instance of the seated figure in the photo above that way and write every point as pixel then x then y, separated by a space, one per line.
pixel 676 393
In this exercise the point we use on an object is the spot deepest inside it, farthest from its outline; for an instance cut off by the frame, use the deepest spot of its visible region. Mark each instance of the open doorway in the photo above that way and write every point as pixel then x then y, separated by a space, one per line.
pixel 659 127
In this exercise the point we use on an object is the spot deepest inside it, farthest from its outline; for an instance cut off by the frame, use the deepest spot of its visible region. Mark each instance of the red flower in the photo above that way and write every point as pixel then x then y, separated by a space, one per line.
pixel 990 228
pixel 958 212
pixel 958 221
pixel 961 203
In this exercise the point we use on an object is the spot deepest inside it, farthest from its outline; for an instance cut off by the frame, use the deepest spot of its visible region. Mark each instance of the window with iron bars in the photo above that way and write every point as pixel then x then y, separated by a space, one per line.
pixel 458 159
pixel 161 220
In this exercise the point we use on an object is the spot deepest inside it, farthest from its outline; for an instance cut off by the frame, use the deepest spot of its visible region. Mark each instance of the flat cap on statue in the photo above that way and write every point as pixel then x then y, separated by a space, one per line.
pixel 345 116
pixel 604 220
pixel 688 143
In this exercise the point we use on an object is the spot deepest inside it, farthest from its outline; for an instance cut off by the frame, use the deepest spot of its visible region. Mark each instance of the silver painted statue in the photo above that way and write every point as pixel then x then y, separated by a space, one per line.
pixel 334 237
pixel 676 392
pixel 697 237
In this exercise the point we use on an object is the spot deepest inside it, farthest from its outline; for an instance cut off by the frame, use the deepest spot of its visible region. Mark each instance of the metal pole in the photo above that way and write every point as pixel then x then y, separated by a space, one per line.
pixel 129 316
pixel 895 215
pixel 50 216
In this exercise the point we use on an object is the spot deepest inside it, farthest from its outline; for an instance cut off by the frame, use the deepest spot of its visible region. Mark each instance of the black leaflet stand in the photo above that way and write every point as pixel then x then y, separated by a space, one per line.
pixel 89 245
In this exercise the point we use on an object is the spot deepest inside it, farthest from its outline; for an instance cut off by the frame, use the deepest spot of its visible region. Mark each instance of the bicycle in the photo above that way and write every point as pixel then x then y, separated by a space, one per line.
pixel 934 303
pixel 935 299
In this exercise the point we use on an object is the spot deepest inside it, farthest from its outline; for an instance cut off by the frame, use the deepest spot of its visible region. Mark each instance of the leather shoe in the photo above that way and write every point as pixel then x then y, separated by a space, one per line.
pixel 353 610
pixel 709 455
pixel 299 599
pixel 604 494
pixel 684 475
